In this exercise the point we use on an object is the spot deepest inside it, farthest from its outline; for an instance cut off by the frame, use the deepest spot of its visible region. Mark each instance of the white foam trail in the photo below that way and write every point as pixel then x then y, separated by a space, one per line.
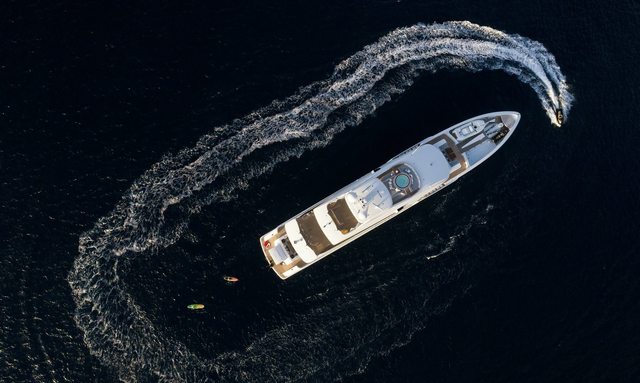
pixel 117 331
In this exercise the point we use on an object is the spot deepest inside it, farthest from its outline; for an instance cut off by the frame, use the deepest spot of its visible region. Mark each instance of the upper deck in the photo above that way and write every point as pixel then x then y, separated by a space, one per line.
pixel 335 220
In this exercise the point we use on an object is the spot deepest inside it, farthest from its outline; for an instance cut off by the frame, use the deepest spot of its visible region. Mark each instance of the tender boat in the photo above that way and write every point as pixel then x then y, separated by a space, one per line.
pixel 385 192
pixel 559 117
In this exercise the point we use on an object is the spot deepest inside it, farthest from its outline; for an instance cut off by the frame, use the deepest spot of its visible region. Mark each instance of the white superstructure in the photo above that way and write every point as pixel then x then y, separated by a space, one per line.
pixel 403 181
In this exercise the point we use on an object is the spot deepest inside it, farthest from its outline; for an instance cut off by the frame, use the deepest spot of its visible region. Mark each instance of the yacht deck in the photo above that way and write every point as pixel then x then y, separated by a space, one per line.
pixel 464 164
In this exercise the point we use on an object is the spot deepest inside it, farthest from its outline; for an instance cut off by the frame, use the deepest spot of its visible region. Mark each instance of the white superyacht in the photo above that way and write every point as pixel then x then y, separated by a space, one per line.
pixel 385 192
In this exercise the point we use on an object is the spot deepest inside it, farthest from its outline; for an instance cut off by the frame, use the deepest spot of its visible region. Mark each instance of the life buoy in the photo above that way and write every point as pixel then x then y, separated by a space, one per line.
pixel 267 244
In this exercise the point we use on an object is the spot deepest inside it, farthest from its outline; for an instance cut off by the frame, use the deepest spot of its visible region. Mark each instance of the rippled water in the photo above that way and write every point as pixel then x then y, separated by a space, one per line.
pixel 478 272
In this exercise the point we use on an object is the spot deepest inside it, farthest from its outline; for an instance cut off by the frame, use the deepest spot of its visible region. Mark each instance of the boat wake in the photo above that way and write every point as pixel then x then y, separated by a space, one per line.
pixel 118 332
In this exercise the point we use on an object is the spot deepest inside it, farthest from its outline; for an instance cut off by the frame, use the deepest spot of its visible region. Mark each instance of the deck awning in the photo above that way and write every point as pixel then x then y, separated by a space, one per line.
pixel 313 234
pixel 342 215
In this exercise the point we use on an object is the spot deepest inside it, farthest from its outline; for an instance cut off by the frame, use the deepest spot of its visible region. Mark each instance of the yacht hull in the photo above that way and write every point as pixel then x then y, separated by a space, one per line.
pixel 391 189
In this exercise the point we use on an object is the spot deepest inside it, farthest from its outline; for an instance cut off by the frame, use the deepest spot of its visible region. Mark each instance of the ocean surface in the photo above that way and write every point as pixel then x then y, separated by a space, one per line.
pixel 144 150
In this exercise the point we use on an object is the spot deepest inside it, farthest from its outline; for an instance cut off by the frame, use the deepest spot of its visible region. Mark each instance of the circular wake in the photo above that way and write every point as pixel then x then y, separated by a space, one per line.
pixel 117 331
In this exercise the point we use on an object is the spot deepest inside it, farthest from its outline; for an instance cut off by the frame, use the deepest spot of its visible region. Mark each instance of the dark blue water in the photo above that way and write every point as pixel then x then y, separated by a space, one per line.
pixel 535 270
